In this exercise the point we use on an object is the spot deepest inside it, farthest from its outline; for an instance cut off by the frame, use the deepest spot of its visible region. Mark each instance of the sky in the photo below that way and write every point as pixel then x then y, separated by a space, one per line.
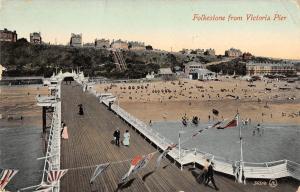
pixel 164 24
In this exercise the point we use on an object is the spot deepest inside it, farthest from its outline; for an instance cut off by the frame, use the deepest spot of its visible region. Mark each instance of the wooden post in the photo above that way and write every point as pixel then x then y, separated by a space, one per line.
pixel 44 119
pixel 195 153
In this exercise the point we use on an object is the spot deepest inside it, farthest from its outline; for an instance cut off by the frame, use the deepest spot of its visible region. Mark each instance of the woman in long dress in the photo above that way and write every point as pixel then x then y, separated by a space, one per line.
pixel 126 138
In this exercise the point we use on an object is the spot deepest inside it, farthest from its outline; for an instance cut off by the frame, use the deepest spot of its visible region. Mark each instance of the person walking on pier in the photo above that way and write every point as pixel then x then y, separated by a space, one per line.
pixel 210 176
pixel 203 176
pixel 62 128
pixel 117 137
pixel 80 109
pixel 126 138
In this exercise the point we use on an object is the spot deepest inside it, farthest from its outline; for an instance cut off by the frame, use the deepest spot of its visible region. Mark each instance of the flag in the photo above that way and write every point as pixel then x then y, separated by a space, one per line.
pixel 56 175
pixel 133 163
pixel 99 169
pixel 171 146
pixel 5 176
pixel 161 157
pixel 44 189
pixel 195 134
pixel 143 162
pixel 217 124
pixel 231 124
pixel 138 163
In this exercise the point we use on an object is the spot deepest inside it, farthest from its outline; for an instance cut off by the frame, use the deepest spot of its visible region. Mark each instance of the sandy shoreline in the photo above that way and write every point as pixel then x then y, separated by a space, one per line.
pixel 17 101
pixel 262 101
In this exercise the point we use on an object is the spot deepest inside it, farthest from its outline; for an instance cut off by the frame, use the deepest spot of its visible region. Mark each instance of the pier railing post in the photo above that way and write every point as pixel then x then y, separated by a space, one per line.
pixel 44 119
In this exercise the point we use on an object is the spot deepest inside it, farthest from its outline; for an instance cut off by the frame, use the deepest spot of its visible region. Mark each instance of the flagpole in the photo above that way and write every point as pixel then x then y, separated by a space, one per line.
pixel 179 146
pixel 241 150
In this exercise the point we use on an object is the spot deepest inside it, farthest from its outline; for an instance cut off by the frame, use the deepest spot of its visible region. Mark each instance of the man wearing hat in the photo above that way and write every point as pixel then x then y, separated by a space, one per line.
pixel 210 176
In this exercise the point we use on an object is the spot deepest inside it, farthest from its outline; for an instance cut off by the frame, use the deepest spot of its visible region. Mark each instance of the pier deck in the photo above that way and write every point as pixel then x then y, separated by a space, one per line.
pixel 90 143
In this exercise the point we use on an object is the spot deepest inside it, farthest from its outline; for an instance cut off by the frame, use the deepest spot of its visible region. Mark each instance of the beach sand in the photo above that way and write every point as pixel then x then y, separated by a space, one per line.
pixel 17 101
pixel 261 101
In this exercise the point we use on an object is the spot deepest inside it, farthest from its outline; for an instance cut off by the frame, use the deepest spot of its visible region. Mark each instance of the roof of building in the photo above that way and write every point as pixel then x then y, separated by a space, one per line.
pixel 194 63
pixel 35 33
pixel 7 31
pixel 102 40
pixel 165 71
pixel 270 64
pixel 203 71
pixel 119 41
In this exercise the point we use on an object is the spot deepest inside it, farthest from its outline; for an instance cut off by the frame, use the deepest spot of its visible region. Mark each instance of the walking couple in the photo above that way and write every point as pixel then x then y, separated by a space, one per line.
pixel 208 174
pixel 126 136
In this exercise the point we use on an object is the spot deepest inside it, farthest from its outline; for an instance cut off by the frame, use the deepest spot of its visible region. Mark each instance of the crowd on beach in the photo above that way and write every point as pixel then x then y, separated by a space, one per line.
pixel 264 100
pixel 185 89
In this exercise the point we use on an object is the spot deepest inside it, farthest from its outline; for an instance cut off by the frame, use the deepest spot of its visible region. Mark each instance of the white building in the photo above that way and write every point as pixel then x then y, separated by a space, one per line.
pixel 76 40
pixel 232 52
pixel 35 38
pixel 135 45
pixel 270 68
pixel 166 74
pixel 210 52
pixel 102 43
pixel 119 44
pixel 195 70
pixel 150 76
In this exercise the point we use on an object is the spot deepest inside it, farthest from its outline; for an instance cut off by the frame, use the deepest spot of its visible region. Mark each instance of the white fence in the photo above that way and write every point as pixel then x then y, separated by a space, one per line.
pixel 52 157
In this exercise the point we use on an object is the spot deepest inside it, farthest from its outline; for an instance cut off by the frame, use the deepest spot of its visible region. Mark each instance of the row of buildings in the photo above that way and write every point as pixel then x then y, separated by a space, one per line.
pixel 232 52
pixel 12 36
pixel 76 41
pixel 209 51
pixel 192 70
pixel 253 69
pixel 197 71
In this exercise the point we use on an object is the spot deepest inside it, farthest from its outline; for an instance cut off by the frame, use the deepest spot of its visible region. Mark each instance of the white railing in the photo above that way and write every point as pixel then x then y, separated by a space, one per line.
pixel 265 170
pixel 52 157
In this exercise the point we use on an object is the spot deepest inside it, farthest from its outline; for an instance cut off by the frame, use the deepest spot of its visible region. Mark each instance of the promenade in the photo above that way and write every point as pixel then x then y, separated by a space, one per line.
pixel 90 143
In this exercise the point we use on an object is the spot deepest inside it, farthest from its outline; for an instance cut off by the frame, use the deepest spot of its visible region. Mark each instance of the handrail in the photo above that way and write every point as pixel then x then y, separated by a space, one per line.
pixel 52 156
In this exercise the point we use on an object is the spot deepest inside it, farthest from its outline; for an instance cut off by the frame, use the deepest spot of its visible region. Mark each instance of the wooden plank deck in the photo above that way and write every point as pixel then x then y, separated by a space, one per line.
pixel 90 143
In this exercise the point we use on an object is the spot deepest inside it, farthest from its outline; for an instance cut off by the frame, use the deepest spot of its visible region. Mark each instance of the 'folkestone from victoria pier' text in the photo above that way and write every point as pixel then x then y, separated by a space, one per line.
pixel 247 17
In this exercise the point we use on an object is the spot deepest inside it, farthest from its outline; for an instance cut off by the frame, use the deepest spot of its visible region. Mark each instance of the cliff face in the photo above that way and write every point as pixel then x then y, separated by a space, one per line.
pixel 22 59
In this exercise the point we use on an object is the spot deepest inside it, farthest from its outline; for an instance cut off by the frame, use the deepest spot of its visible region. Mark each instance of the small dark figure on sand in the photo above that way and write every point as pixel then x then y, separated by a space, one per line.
pixel 195 120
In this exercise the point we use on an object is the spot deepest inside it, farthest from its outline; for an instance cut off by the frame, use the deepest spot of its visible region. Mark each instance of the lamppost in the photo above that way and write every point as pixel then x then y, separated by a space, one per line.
pixel 179 146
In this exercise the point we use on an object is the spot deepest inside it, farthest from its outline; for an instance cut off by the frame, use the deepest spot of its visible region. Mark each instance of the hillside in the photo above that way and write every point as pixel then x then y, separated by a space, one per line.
pixel 23 59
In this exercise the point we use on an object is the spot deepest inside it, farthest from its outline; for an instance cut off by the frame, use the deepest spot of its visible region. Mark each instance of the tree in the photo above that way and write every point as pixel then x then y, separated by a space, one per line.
pixel 22 41
pixel 149 47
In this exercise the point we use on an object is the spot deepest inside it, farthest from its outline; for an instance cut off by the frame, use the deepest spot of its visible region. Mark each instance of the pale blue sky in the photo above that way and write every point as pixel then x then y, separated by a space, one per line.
pixel 163 24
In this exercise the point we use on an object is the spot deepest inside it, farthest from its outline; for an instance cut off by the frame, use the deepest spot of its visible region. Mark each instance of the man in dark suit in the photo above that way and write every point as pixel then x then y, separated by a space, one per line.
pixel 117 137
pixel 210 176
